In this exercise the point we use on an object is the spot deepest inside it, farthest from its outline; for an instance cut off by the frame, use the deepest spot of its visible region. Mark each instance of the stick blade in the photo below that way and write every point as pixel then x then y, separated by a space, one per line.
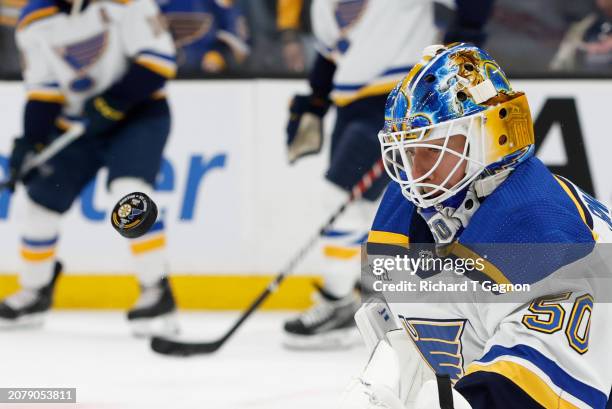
pixel 167 346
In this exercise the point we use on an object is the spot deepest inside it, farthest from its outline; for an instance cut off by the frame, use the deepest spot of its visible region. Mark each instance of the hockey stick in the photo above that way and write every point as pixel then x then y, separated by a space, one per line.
pixel 50 151
pixel 167 346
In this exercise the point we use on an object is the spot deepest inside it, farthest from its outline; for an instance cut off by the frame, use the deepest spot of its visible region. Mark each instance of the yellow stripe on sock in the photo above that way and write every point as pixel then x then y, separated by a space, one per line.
pixel 37 256
pixel 343 253
pixel 145 246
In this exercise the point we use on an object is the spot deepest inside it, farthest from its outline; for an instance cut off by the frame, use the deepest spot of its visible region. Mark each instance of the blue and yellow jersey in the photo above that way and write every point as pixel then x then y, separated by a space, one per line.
pixel 288 14
pixel 373 43
pixel 549 350
pixel 531 206
pixel 10 10
pixel 35 11
pixel 67 60
pixel 206 29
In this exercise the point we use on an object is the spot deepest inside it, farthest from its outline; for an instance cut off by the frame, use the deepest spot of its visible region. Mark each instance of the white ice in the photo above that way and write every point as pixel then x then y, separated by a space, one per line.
pixel 94 352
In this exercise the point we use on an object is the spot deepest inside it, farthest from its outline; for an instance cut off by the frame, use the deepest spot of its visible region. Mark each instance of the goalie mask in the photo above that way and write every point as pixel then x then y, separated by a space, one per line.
pixel 456 101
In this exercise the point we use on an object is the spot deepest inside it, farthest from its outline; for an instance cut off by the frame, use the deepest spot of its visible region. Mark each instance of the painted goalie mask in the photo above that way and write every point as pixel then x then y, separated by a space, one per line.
pixel 454 90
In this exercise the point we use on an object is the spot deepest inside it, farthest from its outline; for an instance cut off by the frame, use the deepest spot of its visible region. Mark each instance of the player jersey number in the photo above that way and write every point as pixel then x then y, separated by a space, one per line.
pixel 549 316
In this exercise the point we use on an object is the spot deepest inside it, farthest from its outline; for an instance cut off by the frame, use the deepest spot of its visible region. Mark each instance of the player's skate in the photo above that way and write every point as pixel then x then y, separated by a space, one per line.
pixel 28 307
pixel 329 324
pixel 154 312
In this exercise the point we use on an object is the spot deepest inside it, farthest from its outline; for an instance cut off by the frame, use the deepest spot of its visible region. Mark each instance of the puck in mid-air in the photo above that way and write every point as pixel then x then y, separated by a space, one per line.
pixel 134 215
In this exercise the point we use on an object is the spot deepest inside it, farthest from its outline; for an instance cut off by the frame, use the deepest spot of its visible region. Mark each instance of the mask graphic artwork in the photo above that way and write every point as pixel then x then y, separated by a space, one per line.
pixel 454 90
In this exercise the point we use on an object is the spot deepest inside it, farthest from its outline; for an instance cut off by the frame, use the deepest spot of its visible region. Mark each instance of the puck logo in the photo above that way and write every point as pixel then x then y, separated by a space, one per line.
pixel 134 215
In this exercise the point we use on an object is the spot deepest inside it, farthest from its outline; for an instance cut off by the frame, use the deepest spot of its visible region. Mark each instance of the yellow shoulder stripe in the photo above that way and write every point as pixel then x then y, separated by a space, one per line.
pixel 577 204
pixel 37 15
pixel 385 237
pixel 490 270
pixel 162 70
pixel 44 96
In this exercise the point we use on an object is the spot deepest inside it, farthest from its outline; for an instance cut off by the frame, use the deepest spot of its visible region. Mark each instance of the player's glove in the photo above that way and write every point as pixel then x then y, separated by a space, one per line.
pixel 22 149
pixel 305 127
pixel 103 113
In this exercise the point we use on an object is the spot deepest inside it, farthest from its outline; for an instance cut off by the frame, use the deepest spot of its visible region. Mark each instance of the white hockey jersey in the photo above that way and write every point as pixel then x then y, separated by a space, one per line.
pixel 70 59
pixel 541 345
pixel 373 43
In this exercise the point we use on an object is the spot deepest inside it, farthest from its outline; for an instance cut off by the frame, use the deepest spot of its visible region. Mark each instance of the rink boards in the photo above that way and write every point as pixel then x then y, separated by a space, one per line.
pixel 236 212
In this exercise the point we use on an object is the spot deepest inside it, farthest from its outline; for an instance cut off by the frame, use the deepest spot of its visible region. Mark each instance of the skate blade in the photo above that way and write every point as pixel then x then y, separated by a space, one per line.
pixel 345 338
pixel 161 326
pixel 24 322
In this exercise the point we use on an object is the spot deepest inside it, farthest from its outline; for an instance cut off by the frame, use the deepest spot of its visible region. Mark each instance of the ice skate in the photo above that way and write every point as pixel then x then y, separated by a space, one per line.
pixel 155 311
pixel 329 324
pixel 27 307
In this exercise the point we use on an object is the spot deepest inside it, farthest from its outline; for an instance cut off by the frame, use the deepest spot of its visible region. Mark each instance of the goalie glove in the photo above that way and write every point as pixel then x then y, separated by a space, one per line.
pixel 305 127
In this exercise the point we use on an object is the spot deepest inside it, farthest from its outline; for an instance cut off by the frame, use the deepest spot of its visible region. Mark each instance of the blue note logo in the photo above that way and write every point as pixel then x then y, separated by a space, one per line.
pixel 439 342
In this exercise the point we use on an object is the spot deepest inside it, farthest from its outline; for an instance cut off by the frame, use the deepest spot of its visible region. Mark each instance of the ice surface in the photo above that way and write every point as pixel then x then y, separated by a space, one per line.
pixel 94 352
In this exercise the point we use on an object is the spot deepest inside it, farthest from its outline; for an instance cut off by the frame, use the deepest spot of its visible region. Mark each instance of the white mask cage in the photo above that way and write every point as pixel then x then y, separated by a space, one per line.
pixel 399 166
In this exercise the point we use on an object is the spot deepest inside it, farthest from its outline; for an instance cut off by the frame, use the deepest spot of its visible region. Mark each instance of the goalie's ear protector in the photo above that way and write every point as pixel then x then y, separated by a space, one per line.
pixel 134 215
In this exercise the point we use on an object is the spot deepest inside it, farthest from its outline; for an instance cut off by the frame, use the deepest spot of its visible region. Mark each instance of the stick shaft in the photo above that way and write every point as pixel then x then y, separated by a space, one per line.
pixel 54 148
pixel 207 347
pixel 50 151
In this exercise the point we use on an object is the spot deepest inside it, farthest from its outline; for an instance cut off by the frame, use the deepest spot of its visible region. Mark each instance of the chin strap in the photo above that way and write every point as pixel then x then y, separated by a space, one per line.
pixel 486 185
pixel 447 222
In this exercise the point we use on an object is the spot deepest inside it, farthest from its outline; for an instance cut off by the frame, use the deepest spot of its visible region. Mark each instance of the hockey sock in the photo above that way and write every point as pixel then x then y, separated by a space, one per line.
pixel 39 236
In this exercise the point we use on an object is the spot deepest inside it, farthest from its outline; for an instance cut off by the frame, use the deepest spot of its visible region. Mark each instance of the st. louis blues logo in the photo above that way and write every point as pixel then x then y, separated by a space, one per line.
pixel 82 55
pixel 439 342
pixel 348 11
pixel 188 27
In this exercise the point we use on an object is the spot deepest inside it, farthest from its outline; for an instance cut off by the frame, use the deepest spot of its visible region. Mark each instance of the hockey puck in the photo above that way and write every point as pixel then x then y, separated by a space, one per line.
pixel 134 215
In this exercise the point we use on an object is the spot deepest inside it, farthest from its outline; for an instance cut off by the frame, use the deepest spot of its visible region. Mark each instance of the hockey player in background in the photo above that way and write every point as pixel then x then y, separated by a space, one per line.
pixel 106 63
pixel 587 45
pixel 364 48
pixel 210 35
pixel 458 144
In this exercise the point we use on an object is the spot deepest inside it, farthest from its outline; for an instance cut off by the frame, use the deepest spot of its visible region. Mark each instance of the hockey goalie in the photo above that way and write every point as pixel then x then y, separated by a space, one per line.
pixel 458 144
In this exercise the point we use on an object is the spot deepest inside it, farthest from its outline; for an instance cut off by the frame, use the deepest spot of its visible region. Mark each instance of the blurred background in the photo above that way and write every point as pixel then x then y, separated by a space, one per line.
pixel 235 209
pixel 272 38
